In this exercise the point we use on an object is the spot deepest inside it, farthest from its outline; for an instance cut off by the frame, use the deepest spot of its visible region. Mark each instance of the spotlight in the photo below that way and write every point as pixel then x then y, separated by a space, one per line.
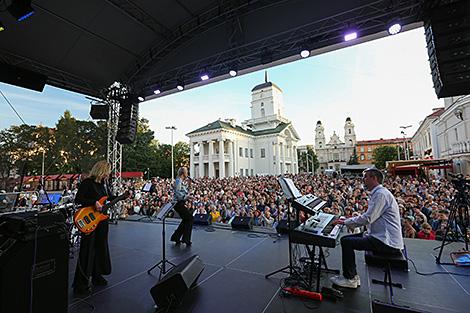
pixel 394 28
pixel 140 98
pixel 21 9
pixel 2 28
pixel 157 91
pixel 350 36
pixel 233 73
pixel 204 77
pixel 305 53
pixel 180 85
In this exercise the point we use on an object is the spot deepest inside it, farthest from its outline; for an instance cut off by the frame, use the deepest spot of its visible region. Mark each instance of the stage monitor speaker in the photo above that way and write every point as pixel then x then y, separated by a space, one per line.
pixel 176 283
pixel 382 307
pixel 242 222
pixel 283 227
pixel 30 241
pixel 99 112
pixel 20 77
pixel 447 31
pixel 202 219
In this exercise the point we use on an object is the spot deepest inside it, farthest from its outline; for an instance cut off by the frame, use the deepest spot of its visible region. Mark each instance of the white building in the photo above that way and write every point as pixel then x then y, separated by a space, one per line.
pixel 335 153
pixel 264 144
pixel 453 133
pixel 424 141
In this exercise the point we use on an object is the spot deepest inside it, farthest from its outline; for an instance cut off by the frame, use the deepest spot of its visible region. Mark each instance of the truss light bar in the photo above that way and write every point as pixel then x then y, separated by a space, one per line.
pixel 394 29
pixel 351 35
pixel 157 91
pixel 233 73
pixel 204 77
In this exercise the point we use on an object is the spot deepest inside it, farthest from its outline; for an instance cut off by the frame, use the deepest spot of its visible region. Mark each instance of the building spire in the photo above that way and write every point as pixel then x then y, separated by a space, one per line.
pixel 266 76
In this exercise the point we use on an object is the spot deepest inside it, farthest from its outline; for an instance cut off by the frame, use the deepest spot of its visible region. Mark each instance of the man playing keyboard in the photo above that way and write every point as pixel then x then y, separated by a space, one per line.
pixel 383 234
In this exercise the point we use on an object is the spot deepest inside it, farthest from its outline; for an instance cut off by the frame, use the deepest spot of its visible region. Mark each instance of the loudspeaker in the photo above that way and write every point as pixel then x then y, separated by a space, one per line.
pixel 176 283
pixel 242 222
pixel 99 112
pixel 18 76
pixel 382 307
pixel 202 219
pixel 128 117
pixel 447 30
pixel 283 227
pixel 34 250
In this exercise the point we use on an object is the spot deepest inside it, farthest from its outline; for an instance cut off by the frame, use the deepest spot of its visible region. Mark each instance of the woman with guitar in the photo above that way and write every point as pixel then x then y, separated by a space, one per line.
pixel 94 260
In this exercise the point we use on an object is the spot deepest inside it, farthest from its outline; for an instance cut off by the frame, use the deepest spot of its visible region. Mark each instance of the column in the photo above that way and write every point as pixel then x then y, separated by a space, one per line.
pixel 201 161
pixel 278 158
pixel 232 158
pixel 211 163
pixel 221 158
pixel 191 160
pixel 283 158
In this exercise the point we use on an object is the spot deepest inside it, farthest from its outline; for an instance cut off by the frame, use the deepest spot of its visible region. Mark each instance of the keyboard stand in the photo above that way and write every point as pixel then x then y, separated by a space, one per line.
pixel 318 269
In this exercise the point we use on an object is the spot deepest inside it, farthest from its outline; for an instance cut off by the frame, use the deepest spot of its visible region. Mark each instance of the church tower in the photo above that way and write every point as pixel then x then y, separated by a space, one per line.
pixel 319 136
pixel 349 134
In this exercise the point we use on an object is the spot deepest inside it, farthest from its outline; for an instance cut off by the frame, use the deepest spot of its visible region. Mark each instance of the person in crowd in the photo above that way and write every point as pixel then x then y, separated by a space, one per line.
pixel 383 235
pixel 426 232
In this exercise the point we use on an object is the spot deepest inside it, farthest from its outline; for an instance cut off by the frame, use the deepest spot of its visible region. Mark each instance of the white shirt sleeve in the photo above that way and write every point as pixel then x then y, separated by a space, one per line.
pixel 376 207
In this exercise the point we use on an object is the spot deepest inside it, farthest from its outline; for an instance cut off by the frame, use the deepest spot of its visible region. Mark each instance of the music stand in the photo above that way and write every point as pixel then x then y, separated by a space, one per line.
pixel 291 192
pixel 162 215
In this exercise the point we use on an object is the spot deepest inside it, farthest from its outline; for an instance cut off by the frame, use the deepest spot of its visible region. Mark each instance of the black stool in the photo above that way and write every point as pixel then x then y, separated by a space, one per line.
pixel 387 262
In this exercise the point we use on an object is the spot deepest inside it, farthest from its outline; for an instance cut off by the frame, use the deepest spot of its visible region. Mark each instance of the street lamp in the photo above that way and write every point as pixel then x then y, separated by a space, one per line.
pixel 42 168
pixel 172 128
pixel 404 141
pixel 313 165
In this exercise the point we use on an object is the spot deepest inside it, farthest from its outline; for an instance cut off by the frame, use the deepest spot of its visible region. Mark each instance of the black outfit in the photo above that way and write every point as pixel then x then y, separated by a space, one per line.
pixel 350 243
pixel 94 259
pixel 185 227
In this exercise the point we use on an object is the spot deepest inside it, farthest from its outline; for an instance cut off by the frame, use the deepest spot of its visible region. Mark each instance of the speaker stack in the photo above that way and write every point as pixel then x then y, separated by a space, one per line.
pixel 242 222
pixel 447 30
pixel 202 219
pixel 34 255
pixel 128 118
pixel 170 291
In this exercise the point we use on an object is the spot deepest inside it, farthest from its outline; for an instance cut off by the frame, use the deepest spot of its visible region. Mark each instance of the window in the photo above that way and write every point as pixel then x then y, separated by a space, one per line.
pixel 369 149
pixel 456 134
pixel 362 157
pixel 349 130
pixel 362 149
pixel 251 153
pixel 246 171
pixel 263 153
pixel 336 156
pixel 240 152
pixel 263 114
pixel 252 172
pixel 369 157
pixel 246 152
pixel 241 171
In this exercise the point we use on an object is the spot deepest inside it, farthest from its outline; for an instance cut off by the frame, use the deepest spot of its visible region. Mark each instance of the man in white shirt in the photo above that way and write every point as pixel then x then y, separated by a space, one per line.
pixel 383 235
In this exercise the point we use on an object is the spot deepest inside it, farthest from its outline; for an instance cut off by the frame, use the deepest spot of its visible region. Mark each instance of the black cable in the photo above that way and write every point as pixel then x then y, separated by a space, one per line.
pixel 434 273
pixel 12 107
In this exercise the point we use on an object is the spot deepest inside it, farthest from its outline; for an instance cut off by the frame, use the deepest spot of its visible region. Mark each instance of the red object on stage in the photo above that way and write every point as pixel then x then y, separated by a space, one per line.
pixel 303 293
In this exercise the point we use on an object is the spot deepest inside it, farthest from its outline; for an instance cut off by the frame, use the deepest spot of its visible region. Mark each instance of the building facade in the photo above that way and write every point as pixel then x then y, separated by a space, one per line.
pixel 265 144
pixel 365 148
pixel 453 133
pixel 424 141
pixel 335 153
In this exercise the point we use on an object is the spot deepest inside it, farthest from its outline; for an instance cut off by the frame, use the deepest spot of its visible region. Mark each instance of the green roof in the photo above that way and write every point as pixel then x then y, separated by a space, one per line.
pixel 224 125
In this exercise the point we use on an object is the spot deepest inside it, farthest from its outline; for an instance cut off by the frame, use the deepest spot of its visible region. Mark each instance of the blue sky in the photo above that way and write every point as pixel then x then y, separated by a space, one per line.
pixel 381 85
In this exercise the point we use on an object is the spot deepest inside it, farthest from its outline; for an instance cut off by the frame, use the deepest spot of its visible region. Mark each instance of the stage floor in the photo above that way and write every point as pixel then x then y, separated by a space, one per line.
pixel 233 279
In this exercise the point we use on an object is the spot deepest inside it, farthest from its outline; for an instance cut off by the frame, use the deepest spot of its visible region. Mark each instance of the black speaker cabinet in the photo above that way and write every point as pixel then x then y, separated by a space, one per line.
pixel 382 307
pixel 242 222
pixel 18 76
pixel 202 219
pixel 176 283
pixel 30 238
pixel 283 227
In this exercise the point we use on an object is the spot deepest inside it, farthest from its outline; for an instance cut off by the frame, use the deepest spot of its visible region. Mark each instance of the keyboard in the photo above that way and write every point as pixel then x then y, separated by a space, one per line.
pixel 318 230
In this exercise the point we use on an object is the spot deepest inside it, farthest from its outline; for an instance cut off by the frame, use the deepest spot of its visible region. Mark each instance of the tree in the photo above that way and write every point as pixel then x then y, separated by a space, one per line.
pixel 383 154
pixel 311 157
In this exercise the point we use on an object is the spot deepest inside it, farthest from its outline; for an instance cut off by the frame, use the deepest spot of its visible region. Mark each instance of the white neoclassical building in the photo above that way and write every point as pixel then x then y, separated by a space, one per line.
pixel 424 141
pixel 264 144
pixel 335 153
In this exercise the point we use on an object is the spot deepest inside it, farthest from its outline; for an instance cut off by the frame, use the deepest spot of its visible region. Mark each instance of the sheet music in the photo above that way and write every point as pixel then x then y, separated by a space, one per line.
pixel 165 210
pixel 147 187
pixel 290 184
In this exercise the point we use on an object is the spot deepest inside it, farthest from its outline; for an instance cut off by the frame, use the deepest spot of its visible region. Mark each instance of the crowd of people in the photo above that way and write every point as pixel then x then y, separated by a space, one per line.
pixel 424 203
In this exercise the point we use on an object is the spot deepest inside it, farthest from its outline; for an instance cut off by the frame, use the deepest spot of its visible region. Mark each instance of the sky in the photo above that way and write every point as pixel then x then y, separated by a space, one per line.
pixel 381 85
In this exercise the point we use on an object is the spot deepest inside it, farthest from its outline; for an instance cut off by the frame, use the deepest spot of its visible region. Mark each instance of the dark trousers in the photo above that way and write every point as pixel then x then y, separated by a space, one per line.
pixel 186 226
pixel 94 259
pixel 359 242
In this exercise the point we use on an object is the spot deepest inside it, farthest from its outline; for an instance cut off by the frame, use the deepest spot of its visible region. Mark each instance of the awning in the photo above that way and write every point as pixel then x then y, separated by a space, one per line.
pixel 52 177
pixel 66 176
pixel 132 174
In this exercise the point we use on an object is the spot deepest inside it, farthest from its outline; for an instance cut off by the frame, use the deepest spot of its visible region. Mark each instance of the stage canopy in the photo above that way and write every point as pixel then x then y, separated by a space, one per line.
pixel 85 46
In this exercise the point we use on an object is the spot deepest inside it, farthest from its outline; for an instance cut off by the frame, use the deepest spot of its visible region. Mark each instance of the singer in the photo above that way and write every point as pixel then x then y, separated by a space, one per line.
pixel 184 230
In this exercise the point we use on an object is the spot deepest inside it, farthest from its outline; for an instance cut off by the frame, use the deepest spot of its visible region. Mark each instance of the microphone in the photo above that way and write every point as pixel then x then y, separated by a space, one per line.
pixel 192 180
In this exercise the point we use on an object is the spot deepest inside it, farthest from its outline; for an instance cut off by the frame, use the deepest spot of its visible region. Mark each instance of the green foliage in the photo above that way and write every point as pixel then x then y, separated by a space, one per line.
pixel 353 159
pixel 311 157
pixel 383 154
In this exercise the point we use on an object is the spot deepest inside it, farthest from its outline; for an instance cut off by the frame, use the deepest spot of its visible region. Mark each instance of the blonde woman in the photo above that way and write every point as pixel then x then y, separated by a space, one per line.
pixel 94 260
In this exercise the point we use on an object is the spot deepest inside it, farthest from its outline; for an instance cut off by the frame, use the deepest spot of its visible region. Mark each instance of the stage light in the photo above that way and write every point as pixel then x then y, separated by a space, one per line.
pixel 2 27
pixel 394 28
pixel 204 77
pixel 157 91
pixel 350 36
pixel 140 98
pixel 305 53
pixel 233 73
pixel 21 9
pixel 180 86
